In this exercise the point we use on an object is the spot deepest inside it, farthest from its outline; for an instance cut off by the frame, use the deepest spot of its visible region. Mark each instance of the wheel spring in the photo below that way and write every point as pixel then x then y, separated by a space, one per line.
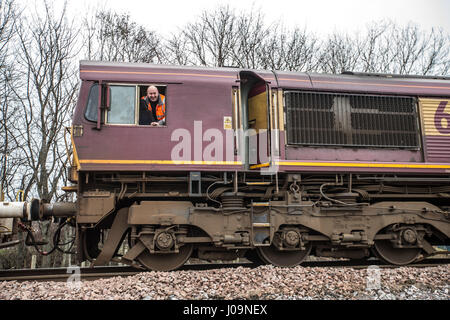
pixel 232 202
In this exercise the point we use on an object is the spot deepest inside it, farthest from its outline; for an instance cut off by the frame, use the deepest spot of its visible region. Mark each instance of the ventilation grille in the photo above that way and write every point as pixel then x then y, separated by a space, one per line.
pixel 351 120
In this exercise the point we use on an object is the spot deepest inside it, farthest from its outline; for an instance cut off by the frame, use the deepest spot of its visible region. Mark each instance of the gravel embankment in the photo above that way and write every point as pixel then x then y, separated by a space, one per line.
pixel 264 282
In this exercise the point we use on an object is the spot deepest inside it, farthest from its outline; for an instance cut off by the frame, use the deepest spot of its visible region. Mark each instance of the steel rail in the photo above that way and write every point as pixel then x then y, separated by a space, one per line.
pixel 88 273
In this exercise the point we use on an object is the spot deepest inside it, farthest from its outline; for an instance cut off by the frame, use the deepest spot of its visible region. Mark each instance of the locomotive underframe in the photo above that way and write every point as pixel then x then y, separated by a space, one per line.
pixel 224 216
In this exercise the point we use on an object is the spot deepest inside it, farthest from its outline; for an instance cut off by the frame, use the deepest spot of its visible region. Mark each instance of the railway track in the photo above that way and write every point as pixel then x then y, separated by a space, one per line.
pixel 88 273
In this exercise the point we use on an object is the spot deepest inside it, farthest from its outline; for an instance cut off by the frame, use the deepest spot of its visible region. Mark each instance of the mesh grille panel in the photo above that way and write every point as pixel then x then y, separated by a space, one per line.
pixel 351 120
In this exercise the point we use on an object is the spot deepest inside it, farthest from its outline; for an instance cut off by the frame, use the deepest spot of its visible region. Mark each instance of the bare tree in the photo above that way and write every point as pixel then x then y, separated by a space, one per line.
pixel 8 18
pixel 114 37
pixel 437 58
pixel 212 39
pixel 375 50
pixel 47 97
pixel 175 50
pixel 195 36
pixel 339 52
pixel 251 33
pixel 388 48
pixel 418 52
pixel 221 38
pixel 289 50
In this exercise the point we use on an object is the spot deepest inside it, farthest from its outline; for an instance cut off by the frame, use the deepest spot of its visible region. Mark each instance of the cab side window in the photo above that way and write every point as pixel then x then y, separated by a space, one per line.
pixel 91 109
pixel 122 105
pixel 146 113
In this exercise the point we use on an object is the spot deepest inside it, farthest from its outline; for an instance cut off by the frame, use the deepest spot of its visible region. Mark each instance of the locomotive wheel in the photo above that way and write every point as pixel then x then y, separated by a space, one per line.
pixel 397 256
pixel 283 258
pixel 166 261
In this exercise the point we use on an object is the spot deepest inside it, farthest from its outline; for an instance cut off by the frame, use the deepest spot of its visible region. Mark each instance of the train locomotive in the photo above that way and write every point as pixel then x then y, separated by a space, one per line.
pixel 267 165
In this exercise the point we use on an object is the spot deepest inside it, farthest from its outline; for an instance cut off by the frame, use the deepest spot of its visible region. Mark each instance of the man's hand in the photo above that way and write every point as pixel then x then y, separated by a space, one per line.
pixel 155 124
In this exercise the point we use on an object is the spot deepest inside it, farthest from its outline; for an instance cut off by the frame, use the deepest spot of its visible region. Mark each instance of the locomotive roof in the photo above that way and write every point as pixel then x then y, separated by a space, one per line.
pixel 88 63
pixel 348 81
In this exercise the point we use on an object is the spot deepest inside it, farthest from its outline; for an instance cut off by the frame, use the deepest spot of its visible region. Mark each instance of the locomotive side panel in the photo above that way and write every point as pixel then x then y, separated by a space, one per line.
pixel 436 129
pixel 324 156
pixel 196 136
pixel 350 127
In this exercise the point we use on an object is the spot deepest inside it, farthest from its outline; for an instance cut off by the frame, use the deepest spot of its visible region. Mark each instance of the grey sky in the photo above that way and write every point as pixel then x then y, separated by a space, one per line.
pixel 320 16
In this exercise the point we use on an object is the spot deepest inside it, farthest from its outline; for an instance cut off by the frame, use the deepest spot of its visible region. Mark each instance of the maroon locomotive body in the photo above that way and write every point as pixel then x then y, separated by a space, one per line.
pixel 271 166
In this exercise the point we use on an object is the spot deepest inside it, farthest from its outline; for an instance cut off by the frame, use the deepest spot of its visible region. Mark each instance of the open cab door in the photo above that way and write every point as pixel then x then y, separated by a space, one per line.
pixel 257 121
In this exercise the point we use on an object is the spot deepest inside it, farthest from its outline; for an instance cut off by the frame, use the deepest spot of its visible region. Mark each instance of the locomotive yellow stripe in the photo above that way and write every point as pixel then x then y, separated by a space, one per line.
pixel 95 161
pixel 288 163
pixel 262 165
pixel 349 164
pixel 75 154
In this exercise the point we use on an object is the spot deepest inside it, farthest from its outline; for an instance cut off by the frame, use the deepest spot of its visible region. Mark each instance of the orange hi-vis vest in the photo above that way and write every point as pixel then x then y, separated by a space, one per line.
pixel 160 107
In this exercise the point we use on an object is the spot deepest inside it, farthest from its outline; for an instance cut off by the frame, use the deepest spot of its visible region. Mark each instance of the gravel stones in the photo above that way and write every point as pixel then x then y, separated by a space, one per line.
pixel 264 282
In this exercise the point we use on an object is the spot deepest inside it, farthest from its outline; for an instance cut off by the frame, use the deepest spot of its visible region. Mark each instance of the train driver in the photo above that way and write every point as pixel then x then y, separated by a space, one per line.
pixel 152 108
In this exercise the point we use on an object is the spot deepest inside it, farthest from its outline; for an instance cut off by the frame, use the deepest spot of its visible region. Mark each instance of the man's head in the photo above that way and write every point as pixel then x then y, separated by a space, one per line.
pixel 152 93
